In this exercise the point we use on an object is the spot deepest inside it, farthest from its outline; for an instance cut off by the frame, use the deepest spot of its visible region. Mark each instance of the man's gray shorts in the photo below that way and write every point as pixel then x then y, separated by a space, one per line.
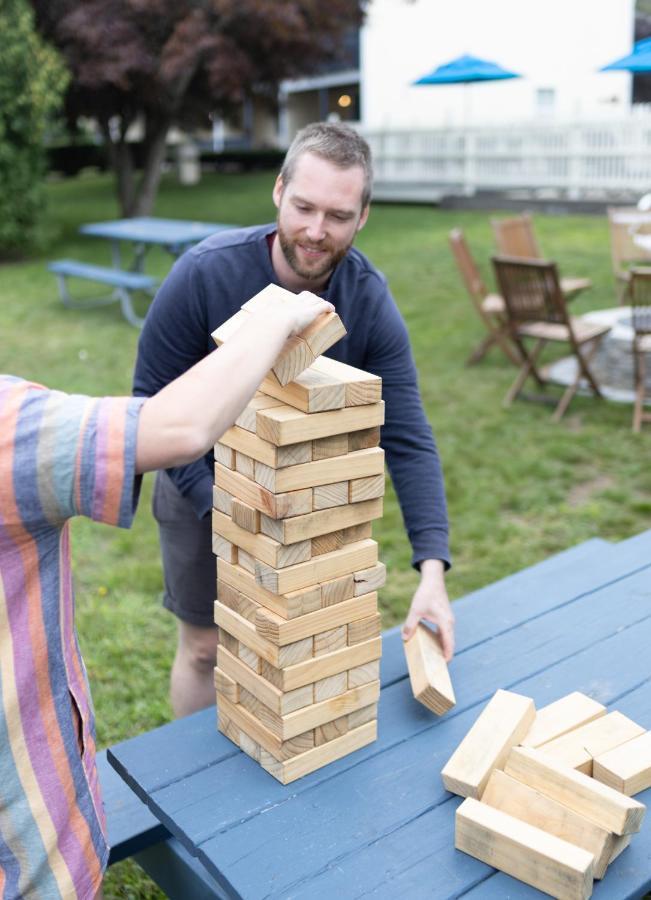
pixel 189 567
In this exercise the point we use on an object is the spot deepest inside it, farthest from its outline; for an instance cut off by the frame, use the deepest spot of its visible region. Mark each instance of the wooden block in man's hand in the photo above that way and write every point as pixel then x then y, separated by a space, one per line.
pixel 428 671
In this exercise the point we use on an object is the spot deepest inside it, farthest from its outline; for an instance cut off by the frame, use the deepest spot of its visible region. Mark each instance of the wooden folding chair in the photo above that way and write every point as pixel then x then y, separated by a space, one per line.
pixel 536 309
pixel 623 223
pixel 490 307
pixel 639 297
pixel 515 237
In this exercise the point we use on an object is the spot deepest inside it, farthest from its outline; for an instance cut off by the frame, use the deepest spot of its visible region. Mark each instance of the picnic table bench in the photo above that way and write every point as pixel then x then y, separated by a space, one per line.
pixel 379 822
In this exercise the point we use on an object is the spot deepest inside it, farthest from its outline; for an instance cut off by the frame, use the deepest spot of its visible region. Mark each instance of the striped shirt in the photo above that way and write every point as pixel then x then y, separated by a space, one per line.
pixel 60 456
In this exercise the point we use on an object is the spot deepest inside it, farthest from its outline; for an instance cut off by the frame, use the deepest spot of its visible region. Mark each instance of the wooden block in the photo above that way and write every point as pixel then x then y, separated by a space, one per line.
pixel 530 854
pixel 364 629
pixel 249 746
pixel 626 768
pixel 290 605
pixel 222 500
pixel 327 663
pixel 362 716
pixel 338 589
pixel 277 505
pixel 240 631
pixel 286 631
pixel 326 543
pixel 557 718
pixel 294 358
pixel 228 729
pixel 327 495
pixel 330 731
pixel 263 452
pixel 323 332
pixel 244 464
pixel 280 702
pixel 601 804
pixel 263 548
pixel 227 640
pixel 246 419
pixel 227 686
pixel 324 521
pixel 357 533
pixel 327 447
pixel 362 388
pixel 365 488
pixel 224 549
pixel 621 843
pixel 578 748
pixel 350 558
pixel 245 516
pixel 246 561
pixel 363 463
pixel 363 674
pixel 502 724
pixel 247 722
pixel 325 642
pixel 428 671
pixel 311 391
pixel 286 425
pixel 331 686
pixel 312 760
pixel 361 440
pixel 249 657
pixel 236 601
pixel 524 803
pixel 371 579
pixel 224 455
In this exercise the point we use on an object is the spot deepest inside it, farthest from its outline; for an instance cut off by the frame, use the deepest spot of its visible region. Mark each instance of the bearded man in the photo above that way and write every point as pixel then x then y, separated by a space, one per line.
pixel 322 195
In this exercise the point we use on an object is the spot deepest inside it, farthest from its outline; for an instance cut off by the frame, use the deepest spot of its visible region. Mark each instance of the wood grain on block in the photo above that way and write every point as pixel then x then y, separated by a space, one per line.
pixel 323 332
pixel 224 639
pixel 311 391
pixel 331 686
pixel 243 632
pixel 246 561
pixel 557 718
pixel 243 719
pixel 228 728
pixel 293 359
pixel 361 440
pixel 332 663
pixel 247 517
pixel 621 843
pixel 243 441
pixel 365 488
pixel 330 731
pixel 364 629
pixel 335 445
pixel 362 388
pixel 279 505
pixel 357 533
pixel 311 760
pixel 324 521
pixel 362 716
pixel 626 768
pixel 428 671
pixel 601 804
pixel 328 495
pixel 222 500
pixel 286 425
pixel 501 725
pixel 371 579
pixel 322 568
pixel 227 685
pixel 527 853
pixel 237 601
pixel 295 603
pixel 362 463
pixel 331 639
pixel 286 631
pixel 578 748
pixel 224 455
pixel 249 657
pixel 244 464
pixel 338 589
pixel 363 674
pixel 223 548
pixel 280 702
pixel 327 543
pixel 524 803
pixel 259 545
pixel 246 418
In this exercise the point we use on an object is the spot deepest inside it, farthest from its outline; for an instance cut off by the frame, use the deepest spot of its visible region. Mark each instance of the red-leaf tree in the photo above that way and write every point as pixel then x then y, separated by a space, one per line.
pixel 173 62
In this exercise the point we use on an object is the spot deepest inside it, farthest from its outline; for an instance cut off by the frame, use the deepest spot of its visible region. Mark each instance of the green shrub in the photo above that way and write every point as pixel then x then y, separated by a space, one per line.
pixel 32 81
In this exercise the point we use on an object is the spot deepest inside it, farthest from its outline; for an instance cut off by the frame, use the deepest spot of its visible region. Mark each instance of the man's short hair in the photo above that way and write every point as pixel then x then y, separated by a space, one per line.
pixel 339 144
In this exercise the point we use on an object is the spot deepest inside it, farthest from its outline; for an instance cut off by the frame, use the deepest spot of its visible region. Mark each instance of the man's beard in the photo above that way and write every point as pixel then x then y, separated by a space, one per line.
pixel 311 273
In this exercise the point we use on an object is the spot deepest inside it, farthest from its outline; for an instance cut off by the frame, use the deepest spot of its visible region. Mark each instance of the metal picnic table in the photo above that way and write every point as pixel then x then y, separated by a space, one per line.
pixel 379 823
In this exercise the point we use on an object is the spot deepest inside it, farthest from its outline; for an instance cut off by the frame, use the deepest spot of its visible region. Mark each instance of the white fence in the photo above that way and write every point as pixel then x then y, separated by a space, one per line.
pixel 577 161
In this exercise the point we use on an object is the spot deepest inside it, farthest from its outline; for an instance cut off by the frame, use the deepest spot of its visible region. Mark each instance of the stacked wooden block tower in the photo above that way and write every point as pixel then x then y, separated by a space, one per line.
pixel 298 481
pixel 548 793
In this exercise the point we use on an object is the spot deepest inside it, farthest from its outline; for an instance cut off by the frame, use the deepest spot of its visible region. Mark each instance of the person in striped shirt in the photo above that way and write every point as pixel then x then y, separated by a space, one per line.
pixel 61 456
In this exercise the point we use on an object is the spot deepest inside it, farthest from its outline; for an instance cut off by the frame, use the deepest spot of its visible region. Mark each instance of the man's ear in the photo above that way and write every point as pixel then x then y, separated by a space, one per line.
pixel 277 191
pixel 364 217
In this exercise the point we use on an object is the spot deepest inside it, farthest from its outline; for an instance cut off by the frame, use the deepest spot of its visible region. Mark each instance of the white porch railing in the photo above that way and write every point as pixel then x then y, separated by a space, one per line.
pixel 577 161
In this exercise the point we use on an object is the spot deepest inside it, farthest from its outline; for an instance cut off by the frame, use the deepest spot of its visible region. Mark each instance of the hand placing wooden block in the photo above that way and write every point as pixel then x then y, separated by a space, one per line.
pixel 428 671
pixel 626 768
pixel 542 860
pixel 502 724
pixel 561 716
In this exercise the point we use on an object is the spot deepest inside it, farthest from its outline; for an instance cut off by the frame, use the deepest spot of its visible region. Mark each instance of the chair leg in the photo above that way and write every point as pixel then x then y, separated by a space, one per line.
pixel 640 377
pixel 481 349
pixel 528 368
pixel 582 369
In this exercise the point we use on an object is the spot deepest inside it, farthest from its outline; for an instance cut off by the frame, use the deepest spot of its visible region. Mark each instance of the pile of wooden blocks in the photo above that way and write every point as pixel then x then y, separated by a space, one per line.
pixel 298 481
pixel 548 793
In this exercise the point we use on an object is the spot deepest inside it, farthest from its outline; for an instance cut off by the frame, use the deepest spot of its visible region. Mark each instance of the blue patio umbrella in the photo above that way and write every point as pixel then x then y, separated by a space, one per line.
pixel 465 69
pixel 637 61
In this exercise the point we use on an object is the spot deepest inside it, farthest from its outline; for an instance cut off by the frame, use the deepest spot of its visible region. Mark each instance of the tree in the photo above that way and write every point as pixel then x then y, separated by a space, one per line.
pixel 32 81
pixel 167 62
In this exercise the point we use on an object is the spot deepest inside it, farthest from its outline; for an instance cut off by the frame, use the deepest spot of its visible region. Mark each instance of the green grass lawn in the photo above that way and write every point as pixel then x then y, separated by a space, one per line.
pixel 519 488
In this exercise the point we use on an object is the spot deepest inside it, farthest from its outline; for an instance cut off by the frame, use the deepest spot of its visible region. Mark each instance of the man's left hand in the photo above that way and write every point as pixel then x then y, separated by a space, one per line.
pixel 431 602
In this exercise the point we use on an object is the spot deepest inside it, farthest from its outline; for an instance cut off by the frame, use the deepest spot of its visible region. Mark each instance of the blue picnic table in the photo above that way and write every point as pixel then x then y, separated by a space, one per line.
pixel 379 823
